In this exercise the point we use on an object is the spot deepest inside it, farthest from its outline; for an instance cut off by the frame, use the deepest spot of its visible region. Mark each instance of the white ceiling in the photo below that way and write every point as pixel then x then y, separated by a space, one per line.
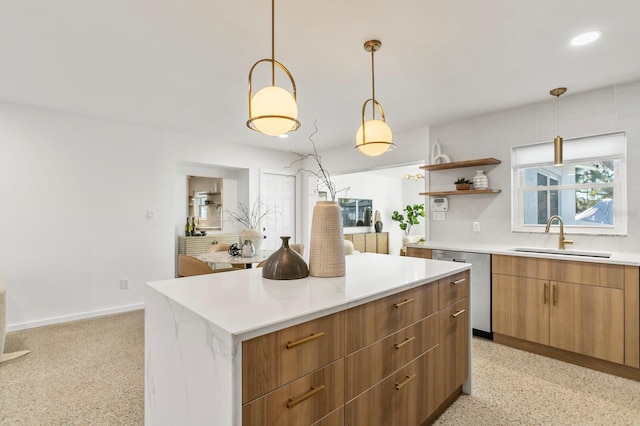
pixel 182 65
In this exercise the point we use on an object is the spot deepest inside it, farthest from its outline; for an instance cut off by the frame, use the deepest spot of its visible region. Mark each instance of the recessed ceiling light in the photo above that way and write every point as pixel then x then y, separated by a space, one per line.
pixel 586 38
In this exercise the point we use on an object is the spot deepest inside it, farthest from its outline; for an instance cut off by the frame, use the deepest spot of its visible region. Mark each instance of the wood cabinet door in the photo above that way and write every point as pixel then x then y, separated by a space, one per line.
pixel 501 304
pixel 359 243
pixel 530 309
pixel 598 322
pixel 454 338
pixel 383 242
pixel 561 315
pixel 424 253
pixel 370 243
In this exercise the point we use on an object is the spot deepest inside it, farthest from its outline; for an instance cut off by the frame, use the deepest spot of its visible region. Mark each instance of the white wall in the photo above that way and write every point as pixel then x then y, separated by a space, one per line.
pixel 600 111
pixel 345 165
pixel 74 196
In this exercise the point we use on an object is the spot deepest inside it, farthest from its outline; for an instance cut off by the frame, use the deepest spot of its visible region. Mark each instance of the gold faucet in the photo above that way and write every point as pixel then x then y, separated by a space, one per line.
pixel 562 242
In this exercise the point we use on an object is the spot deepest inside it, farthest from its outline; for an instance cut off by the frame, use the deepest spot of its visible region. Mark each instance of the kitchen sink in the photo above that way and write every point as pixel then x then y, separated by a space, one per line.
pixel 562 252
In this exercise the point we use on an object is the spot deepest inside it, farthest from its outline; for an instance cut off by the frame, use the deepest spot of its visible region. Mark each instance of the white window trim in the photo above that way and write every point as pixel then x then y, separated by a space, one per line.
pixel 619 186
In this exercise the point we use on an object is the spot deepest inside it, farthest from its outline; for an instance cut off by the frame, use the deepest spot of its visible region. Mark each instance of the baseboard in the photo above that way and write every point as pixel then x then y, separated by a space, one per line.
pixel 75 317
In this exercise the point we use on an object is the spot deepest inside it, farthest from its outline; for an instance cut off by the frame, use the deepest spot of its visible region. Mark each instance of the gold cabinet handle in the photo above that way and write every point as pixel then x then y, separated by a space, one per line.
pixel 292 402
pixel 305 340
pixel 405 381
pixel 460 312
pixel 404 342
pixel 544 294
pixel 397 305
pixel 555 294
pixel 461 280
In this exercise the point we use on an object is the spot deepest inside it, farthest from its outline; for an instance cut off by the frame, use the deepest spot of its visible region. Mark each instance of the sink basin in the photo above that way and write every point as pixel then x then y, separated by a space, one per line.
pixel 562 252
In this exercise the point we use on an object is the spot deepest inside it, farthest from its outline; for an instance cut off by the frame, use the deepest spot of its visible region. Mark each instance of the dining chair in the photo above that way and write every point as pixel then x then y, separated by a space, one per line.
pixel 298 248
pixel 3 325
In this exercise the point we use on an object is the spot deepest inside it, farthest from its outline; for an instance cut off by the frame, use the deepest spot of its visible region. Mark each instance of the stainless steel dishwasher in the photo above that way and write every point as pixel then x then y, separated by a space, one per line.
pixel 479 287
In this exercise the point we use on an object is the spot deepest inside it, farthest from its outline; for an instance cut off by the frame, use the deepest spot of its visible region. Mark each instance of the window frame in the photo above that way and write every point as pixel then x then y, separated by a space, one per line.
pixel 619 185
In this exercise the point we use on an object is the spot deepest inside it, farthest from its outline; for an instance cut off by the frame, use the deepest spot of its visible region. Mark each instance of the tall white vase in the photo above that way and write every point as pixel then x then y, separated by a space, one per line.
pixel 326 254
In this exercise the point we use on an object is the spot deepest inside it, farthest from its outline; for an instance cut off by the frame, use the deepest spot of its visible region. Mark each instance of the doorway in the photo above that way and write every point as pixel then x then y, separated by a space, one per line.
pixel 278 191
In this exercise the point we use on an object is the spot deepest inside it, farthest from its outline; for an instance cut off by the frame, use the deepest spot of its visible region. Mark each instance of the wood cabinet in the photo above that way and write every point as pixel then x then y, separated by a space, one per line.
pixel 424 253
pixel 574 306
pixel 391 361
pixel 370 242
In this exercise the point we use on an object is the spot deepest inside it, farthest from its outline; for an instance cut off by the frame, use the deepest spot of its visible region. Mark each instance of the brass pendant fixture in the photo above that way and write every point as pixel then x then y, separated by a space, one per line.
pixel 374 137
pixel 557 142
pixel 273 110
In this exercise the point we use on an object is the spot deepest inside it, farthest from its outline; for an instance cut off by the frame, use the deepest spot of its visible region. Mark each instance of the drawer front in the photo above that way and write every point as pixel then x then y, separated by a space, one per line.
pixel 278 358
pixel 453 288
pixel 334 419
pixel 301 402
pixel 368 366
pixel 374 320
pixel 405 398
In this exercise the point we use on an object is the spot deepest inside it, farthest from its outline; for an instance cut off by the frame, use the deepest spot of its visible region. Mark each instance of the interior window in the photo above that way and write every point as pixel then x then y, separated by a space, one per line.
pixel 588 191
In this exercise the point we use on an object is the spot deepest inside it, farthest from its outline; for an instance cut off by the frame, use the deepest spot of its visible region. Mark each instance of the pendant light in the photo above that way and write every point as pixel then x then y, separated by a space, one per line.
pixel 273 110
pixel 374 136
pixel 557 142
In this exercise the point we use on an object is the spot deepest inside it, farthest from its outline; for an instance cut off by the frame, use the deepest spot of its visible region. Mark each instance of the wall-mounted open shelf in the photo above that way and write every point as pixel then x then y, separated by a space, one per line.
pixel 460 164
pixel 465 192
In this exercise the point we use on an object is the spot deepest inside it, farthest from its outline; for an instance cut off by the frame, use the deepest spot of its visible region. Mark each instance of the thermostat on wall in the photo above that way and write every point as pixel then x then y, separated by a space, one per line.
pixel 439 204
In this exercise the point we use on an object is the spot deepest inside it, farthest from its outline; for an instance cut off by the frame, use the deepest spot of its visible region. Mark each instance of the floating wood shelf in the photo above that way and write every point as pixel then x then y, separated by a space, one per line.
pixel 459 164
pixel 463 192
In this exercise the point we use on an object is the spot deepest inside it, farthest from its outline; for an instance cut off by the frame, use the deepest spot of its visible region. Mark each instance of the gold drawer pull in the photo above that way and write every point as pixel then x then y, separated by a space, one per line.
pixel 397 305
pixel 460 312
pixel 405 381
pixel 544 294
pixel 461 280
pixel 404 342
pixel 292 402
pixel 305 340
pixel 555 295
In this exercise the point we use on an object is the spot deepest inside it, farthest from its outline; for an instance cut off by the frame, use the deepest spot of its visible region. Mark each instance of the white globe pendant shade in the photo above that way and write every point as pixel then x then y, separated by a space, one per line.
pixel 379 138
pixel 274 111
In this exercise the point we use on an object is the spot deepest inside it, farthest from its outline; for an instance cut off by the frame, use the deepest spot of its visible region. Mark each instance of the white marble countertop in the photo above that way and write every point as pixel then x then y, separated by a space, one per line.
pixel 619 258
pixel 243 304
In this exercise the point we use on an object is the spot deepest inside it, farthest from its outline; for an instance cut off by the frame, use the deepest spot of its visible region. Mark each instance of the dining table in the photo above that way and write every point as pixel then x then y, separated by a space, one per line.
pixel 224 257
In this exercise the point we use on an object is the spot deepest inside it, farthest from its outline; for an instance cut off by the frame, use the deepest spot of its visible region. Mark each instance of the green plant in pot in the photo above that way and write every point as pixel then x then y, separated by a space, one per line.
pixel 463 183
pixel 414 212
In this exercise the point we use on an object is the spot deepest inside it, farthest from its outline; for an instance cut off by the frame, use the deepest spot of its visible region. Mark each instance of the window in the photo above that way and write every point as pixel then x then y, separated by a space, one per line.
pixel 588 191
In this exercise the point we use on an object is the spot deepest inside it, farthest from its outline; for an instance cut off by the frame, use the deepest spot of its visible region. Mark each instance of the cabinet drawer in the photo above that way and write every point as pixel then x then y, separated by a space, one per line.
pixel 374 320
pixel 453 288
pixel 277 358
pixel 405 398
pixel 368 366
pixel 301 402
pixel 334 419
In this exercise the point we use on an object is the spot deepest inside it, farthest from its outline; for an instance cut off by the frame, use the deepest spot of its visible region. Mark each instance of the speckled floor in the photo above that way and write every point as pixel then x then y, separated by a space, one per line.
pixel 514 387
pixel 91 372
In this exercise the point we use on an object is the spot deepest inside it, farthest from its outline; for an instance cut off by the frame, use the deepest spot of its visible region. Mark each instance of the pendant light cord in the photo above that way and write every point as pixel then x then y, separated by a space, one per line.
pixel 273 43
pixel 373 85
pixel 558 115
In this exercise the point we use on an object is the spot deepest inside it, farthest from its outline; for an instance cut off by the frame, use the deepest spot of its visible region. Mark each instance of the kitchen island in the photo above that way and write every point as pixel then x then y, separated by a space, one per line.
pixel 197 328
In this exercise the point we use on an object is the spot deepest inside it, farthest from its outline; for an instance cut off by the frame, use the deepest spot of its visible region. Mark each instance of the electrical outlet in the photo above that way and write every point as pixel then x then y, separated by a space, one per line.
pixel 124 284
pixel 476 226
pixel 150 214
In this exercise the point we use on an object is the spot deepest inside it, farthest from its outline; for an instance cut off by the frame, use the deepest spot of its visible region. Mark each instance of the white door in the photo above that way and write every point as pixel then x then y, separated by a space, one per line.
pixel 278 191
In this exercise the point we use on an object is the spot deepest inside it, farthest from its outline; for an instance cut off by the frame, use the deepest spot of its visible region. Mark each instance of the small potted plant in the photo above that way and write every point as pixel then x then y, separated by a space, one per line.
pixel 463 184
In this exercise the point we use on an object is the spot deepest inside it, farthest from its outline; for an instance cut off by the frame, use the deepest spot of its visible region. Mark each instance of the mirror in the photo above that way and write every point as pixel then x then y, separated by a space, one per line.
pixel 205 202
pixel 356 212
